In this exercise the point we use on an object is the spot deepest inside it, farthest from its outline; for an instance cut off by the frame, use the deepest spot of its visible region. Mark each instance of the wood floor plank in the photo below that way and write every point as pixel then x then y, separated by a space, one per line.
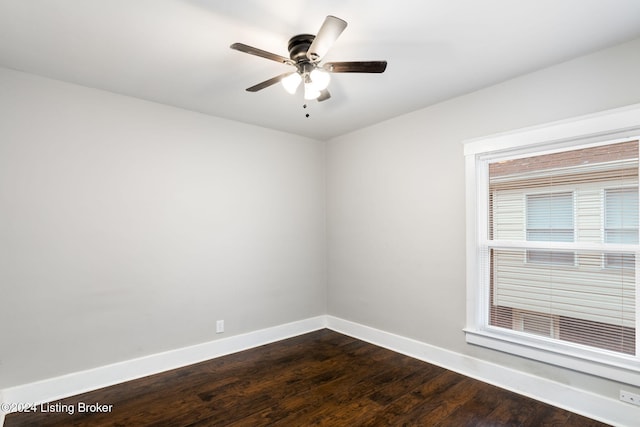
pixel 323 378
pixel 476 409
pixel 514 410
pixel 418 402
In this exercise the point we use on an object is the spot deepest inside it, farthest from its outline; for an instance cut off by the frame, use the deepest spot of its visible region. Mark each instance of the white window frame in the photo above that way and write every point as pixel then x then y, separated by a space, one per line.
pixel 607 127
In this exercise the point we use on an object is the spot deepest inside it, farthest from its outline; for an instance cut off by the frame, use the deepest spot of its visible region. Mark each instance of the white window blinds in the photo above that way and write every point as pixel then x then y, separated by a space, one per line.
pixel 561 245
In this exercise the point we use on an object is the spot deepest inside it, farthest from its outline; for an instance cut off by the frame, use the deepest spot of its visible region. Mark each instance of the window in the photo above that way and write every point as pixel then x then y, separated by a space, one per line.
pixel 554 286
pixel 552 244
pixel 620 223
pixel 550 218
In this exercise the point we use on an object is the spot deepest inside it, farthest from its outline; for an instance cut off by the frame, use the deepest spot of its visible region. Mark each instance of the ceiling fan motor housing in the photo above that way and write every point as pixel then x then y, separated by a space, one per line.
pixel 298 47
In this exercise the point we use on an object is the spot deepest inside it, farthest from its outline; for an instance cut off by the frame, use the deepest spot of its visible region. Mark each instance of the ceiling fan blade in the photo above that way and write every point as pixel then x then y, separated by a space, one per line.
pixel 356 67
pixel 330 30
pixel 268 83
pixel 262 53
pixel 324 95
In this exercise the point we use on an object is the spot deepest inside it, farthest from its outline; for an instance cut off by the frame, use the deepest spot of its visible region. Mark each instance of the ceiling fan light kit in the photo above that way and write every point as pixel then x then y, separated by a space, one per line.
pixel 305 53
pixel 291 82
pixel 310 93
pixel 320 79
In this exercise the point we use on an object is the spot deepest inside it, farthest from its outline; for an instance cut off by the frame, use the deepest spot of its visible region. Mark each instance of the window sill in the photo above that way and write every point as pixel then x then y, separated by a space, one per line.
pixel 613 367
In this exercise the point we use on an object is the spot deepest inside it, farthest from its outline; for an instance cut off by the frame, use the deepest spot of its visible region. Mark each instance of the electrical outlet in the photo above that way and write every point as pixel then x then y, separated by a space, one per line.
pixel 219 326
pixel 627 396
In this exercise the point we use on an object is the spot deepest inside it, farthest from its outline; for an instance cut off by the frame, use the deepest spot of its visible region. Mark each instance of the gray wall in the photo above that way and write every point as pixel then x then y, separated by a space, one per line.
pixel 396 201
pixel 128 228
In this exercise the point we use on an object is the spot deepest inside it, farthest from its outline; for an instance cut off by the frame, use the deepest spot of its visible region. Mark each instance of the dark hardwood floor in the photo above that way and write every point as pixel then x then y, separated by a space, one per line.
pixel 320 378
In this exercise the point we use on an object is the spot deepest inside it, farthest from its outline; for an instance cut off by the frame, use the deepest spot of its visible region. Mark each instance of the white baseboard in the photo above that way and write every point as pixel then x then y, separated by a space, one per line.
pixel 607 410
pixel 80 382
pixel 598 407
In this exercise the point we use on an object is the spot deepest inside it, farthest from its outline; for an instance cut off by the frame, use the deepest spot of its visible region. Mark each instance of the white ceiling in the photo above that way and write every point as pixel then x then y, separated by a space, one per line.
pixel 176 52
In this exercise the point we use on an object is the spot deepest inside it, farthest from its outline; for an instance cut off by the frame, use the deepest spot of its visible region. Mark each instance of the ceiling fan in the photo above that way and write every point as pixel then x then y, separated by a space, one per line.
pixel 305 53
